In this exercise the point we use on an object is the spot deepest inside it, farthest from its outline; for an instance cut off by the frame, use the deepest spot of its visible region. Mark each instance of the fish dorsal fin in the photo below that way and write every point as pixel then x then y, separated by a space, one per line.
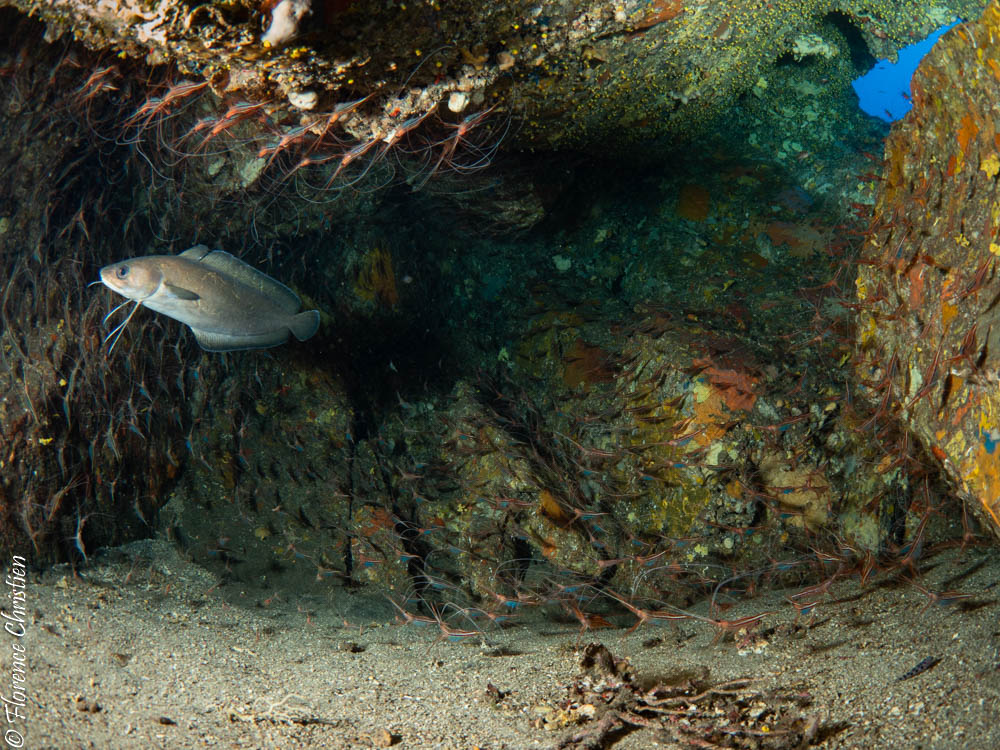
pixel 259 281
pixel 195 253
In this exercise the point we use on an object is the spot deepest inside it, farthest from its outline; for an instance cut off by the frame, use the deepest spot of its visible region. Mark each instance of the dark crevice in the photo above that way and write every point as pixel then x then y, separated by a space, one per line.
pixel 861 57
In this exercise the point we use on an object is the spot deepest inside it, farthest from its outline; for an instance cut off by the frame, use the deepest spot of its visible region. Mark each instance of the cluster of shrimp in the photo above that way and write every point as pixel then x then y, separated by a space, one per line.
pixel 319 151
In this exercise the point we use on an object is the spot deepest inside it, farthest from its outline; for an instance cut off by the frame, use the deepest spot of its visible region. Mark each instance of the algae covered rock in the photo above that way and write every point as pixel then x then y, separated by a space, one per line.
pixel 580 74
pixel 928 289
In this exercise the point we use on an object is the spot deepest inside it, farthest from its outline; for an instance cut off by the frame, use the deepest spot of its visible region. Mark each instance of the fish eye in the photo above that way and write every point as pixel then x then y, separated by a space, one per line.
pixel 122 272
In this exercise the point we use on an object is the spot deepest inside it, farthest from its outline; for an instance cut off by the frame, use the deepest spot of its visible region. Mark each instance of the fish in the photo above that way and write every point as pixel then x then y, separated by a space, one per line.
pixel 923 666
pixel 228 304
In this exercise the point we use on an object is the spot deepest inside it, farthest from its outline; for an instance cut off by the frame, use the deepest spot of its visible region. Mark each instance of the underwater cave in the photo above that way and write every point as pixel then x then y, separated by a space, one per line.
pixel 497 375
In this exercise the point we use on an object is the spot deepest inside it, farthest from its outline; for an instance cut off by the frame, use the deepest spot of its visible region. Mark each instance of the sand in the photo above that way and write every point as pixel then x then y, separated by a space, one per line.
pixel 143 649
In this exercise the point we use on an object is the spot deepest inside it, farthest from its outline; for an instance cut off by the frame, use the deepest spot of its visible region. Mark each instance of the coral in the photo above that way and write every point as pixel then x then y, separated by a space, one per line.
pixel 803 489
pixel 811 44
pixel 693 203
pixel 376 279
pixel 802 241
pixel 586 365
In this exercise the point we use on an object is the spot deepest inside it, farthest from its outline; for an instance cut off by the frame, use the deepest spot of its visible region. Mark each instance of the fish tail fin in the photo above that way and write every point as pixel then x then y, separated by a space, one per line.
pixel 305 324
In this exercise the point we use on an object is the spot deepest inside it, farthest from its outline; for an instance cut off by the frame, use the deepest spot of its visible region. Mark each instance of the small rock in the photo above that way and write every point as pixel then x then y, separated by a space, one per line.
pixel 458 101
pixel 494 693
pixel 87 706
pixel 285 19
pixel 303 99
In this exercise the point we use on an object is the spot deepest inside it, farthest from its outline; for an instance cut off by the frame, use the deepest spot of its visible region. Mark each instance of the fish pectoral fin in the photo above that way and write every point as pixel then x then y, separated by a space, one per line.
pixel 179 292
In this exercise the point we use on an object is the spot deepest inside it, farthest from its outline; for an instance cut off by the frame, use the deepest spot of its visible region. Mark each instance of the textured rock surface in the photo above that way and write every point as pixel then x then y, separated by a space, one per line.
pixel 584 74
pixel 660 383
pixel 929 323
pixel 650 459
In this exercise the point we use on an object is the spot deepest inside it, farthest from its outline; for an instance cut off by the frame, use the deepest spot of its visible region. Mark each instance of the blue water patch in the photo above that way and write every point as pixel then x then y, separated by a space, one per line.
pixel 884 91
pixel 990 439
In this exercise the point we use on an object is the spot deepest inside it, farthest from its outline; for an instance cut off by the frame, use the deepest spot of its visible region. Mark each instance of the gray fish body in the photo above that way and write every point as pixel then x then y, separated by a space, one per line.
pixel 228 304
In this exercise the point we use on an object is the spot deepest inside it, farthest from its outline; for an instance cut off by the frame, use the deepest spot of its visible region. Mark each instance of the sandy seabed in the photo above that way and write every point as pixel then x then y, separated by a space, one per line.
pixel 143 649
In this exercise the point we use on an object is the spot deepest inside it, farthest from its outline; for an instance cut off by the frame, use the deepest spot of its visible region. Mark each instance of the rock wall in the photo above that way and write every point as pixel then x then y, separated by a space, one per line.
pixel 929 330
